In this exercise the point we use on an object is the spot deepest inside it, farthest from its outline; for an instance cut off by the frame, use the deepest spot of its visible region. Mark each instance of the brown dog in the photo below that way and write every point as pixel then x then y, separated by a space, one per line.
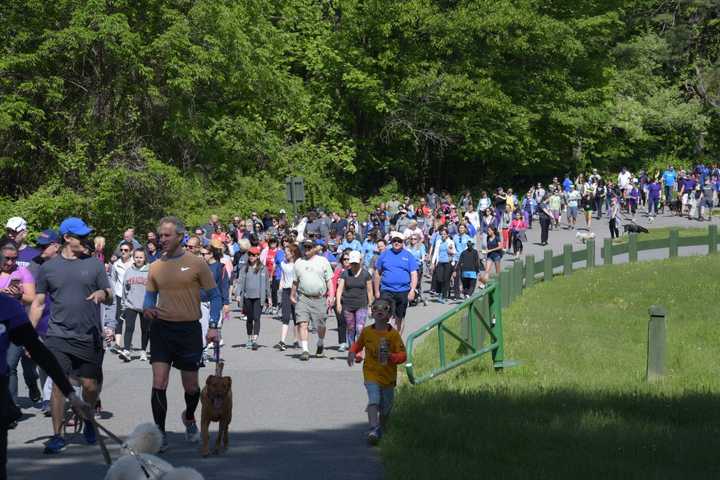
pixel 216 401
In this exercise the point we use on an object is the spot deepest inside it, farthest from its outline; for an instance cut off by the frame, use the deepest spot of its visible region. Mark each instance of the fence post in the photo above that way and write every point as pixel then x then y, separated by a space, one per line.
pixel 607 251
pixel 656 343
pixel 674 240
pixel 590 253
pixel 567 259
pixel 632 248
pixel 712 239
pixel 547 265
pixel 505 288
pixel 498 354
pixel 529 271
pixel 518 278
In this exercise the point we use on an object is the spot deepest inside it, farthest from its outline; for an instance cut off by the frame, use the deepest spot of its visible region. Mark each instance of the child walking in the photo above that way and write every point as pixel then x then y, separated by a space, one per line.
pixel 384 350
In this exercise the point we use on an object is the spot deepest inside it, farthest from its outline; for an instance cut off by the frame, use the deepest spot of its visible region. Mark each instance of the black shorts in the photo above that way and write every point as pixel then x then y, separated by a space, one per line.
pixel 399 301
pixel 178 344
pixel 75 366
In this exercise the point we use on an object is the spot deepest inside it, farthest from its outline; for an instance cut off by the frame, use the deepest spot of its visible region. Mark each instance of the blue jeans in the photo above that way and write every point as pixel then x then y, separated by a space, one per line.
pixel 15 355
pixel 380 396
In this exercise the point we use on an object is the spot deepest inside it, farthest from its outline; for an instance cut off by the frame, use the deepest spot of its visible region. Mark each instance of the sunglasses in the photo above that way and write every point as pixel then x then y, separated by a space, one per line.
pixel 252 254
pixel 382 308
pixel 124 249
pixel 11 259
pixel 397 240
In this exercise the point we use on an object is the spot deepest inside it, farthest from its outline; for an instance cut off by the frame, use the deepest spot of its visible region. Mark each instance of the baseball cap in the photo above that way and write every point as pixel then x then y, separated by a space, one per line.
pixel 396 235
pixel 74 226
pixel 17 224
pixel 355 257
pixel 254 251
pixel 320 242
pixel 308 241
pixel 47 237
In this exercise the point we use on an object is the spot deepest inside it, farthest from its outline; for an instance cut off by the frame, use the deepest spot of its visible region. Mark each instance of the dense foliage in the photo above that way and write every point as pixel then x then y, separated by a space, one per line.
pixel 125 109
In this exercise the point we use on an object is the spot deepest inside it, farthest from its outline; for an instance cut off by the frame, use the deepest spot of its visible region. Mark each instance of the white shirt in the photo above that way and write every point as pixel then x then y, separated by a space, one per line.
pixel 312 275
pixel 287 275
pixel 473 218
pixel 409 232
pixel 624 178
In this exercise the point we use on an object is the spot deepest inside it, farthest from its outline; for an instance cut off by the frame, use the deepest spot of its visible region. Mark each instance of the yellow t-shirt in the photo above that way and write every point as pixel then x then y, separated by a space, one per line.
pixel 178 282
pixel 373 370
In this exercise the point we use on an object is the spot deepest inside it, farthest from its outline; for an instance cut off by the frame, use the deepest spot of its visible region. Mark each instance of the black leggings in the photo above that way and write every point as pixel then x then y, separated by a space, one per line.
pixel 274 287
pixel 516 242
pixel 443 272
pixel 468 285
pixel 253 310
pixel 288 308
pixel 544 228
pixel 342 326
pixel 118 315
pixel 130 317
pixel 614 232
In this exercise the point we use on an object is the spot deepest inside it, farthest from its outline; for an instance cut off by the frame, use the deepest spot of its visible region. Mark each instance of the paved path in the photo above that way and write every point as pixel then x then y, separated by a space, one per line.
pixel 291 419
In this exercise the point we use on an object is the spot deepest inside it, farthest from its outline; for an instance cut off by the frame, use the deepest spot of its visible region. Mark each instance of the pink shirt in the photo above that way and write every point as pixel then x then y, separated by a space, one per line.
pixel 21 272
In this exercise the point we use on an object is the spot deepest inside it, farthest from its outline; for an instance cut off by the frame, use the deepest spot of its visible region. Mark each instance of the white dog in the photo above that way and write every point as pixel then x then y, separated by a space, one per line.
pixel 584 236
pixel 145 441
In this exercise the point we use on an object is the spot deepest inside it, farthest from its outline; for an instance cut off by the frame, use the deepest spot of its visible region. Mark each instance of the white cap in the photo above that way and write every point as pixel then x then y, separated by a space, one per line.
pixel 355 257
pixel 396 235
pixel 282 210
pixel 17 224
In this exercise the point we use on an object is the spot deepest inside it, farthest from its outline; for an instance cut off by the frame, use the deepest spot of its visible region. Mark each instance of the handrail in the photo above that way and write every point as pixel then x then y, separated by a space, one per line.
pixel 476 323
pixel 525 273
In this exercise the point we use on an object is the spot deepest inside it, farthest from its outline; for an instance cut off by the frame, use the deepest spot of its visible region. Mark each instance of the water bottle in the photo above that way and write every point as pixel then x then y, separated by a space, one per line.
pixel 384 351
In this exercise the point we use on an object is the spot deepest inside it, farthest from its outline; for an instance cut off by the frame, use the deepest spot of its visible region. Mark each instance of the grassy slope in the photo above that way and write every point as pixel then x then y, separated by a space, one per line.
pixel 578 404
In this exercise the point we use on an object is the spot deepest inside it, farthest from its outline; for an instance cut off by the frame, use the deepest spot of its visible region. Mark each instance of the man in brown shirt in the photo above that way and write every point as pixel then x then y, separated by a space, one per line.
pixel 174 287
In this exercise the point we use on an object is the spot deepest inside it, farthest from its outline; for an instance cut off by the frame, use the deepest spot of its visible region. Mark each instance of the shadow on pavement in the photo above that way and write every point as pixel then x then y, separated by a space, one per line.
pixel 252 455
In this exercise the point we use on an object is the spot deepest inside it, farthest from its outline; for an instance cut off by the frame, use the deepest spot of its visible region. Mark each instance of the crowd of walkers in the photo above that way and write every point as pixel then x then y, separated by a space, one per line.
pixel 85 296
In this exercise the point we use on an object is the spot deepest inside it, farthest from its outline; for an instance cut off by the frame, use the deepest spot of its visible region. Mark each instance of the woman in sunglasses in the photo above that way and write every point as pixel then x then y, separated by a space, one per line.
pixel 117 276
pixel 254 288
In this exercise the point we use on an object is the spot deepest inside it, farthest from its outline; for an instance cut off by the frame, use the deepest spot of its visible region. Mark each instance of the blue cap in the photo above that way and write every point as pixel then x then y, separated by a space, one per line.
pixel 74 226
pixel 320 242
pixel 47 237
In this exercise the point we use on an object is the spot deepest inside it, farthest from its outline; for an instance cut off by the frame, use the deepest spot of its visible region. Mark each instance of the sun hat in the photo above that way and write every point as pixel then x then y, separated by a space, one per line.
pixel 355 257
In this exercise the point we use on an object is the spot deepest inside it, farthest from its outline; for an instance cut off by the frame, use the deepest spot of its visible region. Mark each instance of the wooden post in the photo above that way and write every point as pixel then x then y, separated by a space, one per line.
pixel 607 251
pixel 505 288
pixel 529 271
pixel 547 265
pixel 567 259
pixel 519 278
pixel 656 343
pixel 712 239
pixel 674 240
pixel 590 253
pixel 632 248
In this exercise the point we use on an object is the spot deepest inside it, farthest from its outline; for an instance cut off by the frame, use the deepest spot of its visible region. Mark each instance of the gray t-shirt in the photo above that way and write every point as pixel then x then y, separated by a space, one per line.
pixel 73 319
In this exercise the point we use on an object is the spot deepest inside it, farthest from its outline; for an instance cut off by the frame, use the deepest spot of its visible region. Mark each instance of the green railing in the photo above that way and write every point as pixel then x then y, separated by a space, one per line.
pixel 482 313
pixel 480 320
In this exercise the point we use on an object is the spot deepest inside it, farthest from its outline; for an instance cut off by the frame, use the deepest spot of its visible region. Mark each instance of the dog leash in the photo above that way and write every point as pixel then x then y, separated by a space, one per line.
pixel 218 370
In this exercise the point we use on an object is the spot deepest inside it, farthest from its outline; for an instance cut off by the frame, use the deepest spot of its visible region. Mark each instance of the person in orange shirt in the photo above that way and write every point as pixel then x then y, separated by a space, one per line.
pixel 384 350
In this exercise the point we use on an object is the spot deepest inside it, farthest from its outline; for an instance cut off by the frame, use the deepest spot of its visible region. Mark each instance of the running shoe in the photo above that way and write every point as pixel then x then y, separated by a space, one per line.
pixel 45 408
pixel 164 445
pixel 255 346
pixel 319 351
pixel 125 355
pixel 296 345
pixel 278 345
pixel 283 346
pixel 343 347
pixel 34 393
pixel 374 436
pixel 305 356
pixel 55 445
pixel 143 356
pixel 89 433
pixel 248 344
pixel 192 434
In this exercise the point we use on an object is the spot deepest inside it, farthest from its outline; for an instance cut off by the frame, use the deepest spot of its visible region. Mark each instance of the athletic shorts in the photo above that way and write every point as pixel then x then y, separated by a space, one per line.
pixel 179 344
pixel 380 396
pixel 311 310
pixel 399 301
pixel 572 212
pixel 75 366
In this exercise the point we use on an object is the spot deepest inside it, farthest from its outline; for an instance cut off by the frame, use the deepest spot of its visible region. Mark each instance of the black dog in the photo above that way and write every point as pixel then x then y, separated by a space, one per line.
pixel 634 228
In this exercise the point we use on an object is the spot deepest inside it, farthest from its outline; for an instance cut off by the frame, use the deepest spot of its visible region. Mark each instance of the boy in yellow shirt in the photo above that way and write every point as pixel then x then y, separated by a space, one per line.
pixel 384 350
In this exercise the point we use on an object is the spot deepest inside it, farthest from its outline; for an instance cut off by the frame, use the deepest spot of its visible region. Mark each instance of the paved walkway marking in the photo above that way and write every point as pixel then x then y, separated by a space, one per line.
pixel 291 419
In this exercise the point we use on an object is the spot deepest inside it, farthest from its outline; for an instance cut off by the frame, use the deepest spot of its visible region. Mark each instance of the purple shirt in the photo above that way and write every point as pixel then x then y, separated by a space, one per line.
pixel 654 190
pixel 26 255
pixel 21 273
pixel 12 316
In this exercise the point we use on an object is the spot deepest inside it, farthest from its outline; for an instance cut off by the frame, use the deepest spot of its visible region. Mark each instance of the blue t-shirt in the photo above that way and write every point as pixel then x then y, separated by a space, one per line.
pixel 12 316
pixel 279 257
pixel 460 244
pixel 443 256
pixel 669 177
pixel 567 184
pixel 395 268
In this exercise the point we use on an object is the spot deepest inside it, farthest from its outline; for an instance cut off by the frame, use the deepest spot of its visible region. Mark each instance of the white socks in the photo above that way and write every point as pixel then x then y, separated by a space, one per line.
pixel 304 344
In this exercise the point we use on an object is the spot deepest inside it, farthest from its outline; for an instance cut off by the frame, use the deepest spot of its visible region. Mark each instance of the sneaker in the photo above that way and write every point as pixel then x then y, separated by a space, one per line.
pixel 296 345
pixel 98 409
pixel 248 344
pixel 55 445
pixel 255 346
pixel 164 445
pixel 143 356
pixel 192 434
pixel 319 351
pixel 374 436
pixel 125 354
pixel 114 349
pixel 343 347
pixel 283 346
pixel 35 394
pixel 89 433
pixel 45 408
pixel 305 356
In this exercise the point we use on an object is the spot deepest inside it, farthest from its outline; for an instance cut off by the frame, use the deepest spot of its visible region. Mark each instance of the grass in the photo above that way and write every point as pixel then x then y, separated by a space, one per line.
pixel 578 405
pixel 664 233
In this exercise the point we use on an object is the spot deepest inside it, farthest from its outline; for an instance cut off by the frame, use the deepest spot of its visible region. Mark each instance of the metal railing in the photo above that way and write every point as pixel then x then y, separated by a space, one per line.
pixel 480 318
pixel 482 313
